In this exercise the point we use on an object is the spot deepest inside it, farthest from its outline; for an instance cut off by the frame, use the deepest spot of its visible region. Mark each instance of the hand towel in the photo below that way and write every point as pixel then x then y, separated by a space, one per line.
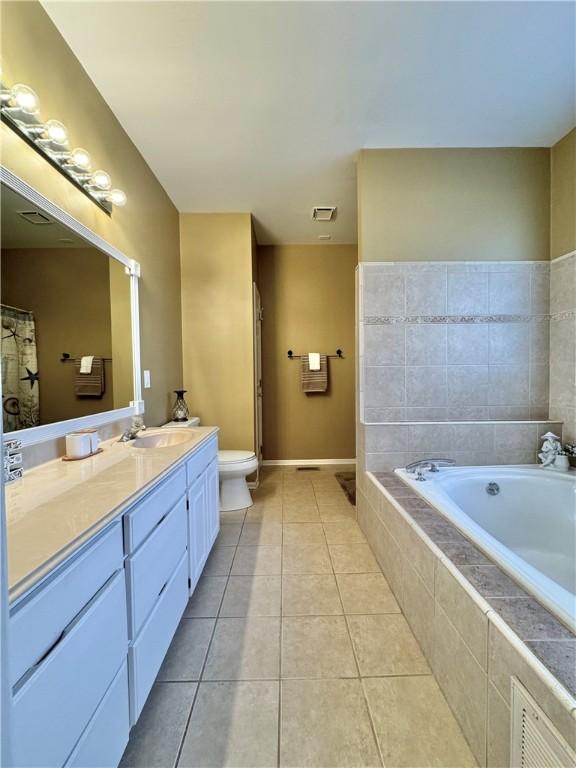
pixel 90 384
pixel 314 361
pixel 314 381
pixel 86 363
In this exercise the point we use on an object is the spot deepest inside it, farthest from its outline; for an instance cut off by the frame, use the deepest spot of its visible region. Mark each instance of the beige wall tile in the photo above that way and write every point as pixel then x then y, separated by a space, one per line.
pixel 462 681
pixel 418 606
pixel 498 736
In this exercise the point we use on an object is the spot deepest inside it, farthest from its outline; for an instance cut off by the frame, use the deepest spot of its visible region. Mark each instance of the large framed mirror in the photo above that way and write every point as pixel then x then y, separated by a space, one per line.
pixel 70 343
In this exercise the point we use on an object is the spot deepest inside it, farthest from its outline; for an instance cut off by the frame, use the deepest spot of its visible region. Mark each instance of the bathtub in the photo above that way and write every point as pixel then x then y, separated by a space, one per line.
pixel 528 526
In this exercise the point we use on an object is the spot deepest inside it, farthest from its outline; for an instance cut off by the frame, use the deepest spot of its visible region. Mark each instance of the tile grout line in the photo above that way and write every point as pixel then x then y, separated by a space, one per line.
pixel 200 676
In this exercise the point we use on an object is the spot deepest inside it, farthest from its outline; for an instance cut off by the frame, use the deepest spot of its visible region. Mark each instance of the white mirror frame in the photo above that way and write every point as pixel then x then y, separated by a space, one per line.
pixel 45 432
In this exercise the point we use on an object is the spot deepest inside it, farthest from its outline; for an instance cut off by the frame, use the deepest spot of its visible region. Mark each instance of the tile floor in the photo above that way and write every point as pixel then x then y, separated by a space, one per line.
pixel 294 652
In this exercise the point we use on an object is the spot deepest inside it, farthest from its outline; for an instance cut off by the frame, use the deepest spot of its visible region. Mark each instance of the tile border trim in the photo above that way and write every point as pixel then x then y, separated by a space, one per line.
pixel 451 319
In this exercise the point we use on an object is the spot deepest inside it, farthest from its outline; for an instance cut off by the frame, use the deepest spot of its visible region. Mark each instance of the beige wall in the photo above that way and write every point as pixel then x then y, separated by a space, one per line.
pixel 453 204
pixel 563 196
pixel 34 52
pixel 67 320
pixel 217 325
pixel 308 301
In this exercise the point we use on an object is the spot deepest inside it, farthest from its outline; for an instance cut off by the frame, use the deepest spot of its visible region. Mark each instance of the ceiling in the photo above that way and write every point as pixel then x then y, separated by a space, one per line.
pixel 262 106
pixel 17 232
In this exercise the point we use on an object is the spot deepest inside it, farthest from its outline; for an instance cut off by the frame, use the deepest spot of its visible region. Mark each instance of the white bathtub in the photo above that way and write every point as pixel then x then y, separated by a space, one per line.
pixel 528 528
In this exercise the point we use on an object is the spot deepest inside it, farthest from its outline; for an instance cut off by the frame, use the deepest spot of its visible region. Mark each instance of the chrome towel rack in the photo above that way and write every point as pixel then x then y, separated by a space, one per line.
pixel 292 356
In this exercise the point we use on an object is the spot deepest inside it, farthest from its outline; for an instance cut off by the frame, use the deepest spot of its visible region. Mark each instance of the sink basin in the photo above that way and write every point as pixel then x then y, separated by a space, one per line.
pixel 164 439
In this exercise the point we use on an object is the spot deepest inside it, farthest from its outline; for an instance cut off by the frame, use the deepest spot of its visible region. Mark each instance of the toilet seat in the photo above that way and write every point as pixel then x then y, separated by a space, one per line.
pixel 235 457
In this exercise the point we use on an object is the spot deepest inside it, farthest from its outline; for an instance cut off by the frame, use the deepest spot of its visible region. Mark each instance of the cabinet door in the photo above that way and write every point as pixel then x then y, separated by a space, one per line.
pixel 213 504
pixel 197 528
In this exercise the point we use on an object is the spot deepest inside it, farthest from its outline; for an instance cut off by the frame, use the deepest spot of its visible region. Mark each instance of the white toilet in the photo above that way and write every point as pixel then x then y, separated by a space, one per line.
pixel 234 467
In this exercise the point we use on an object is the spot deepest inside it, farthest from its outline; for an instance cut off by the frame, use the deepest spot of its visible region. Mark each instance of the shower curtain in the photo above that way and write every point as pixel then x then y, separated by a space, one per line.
pixel 20 386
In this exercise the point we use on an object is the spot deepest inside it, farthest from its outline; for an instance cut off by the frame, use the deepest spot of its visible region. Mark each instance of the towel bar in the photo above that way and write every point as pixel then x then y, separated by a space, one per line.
pixel 292 356
pixel 67 358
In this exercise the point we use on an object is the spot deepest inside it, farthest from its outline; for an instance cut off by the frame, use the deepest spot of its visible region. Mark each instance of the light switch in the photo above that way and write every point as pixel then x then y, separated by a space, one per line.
pixel 147 383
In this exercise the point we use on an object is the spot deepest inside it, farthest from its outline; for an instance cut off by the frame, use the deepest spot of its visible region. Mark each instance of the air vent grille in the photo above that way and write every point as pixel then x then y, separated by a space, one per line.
pixel 324 212
pixel 535 741
pixel 35 217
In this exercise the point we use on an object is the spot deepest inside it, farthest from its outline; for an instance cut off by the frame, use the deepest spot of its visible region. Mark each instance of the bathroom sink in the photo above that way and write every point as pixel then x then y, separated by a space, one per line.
pixel 163 439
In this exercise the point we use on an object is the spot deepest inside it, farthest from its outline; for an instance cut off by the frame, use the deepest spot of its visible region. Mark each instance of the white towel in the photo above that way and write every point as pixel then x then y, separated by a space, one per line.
pixel 86 364
pixel 314 361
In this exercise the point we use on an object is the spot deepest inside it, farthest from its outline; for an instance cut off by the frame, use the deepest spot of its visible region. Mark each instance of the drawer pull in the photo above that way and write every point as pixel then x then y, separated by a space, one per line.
pixel 67 629
pixel 159 523
pixel 163 588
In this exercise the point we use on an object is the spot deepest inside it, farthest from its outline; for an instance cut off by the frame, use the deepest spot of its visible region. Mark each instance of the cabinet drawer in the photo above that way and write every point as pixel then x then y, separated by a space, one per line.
pixel 146 514
pixel 55 700
pixel 38 621
pixel 200 460
pixel 149 569
pixel 147 653
pixel 104 740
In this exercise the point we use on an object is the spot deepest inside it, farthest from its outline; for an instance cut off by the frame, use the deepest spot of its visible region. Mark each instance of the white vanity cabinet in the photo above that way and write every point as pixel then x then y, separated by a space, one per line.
pixel 69 640
pixel 88 641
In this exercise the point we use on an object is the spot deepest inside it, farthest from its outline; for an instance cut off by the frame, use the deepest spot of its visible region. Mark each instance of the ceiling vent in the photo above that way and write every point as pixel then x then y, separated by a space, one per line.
pixel 324 212
pixel 34 217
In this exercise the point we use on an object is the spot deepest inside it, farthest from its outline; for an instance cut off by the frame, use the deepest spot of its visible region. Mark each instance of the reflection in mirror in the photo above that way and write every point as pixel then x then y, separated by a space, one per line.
pixel 66 344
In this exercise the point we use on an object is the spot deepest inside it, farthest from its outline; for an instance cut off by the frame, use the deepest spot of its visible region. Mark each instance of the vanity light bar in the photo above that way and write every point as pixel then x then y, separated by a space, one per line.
pixel 20 109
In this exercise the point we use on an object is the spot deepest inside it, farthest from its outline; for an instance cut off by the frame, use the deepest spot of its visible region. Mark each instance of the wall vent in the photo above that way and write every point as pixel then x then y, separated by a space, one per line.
pixel 34 217
pixel 535 742
pixel 324 212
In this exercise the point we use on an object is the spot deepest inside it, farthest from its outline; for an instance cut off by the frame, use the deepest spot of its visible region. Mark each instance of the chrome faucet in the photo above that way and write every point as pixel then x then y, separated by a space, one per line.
pixel 427 465
pixel 132 431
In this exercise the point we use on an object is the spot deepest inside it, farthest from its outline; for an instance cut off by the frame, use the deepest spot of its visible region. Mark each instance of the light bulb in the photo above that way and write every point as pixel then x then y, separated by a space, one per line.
pixel 80 158
pixel 101 180
pixel 118 197
pixel 25 99
pixel 56 132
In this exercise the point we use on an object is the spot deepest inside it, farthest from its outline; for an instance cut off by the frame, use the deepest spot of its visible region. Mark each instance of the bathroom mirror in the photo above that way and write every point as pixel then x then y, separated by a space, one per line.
pixel 69 319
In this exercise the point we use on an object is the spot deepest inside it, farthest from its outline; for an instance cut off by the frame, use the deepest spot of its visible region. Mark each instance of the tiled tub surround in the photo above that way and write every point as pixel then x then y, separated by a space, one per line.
pixel 476 627
pixel 462 341
pixel 387 446
pixel 563 343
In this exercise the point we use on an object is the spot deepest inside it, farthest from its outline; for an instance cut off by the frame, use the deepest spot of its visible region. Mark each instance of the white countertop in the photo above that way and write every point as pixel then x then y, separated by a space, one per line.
pixel 56 507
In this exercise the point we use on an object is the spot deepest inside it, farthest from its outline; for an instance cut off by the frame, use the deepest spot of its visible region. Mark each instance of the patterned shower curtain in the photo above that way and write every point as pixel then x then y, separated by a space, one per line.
pixel 20 387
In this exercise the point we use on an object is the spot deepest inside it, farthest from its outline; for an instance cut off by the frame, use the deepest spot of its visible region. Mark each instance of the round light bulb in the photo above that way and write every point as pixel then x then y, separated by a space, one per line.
pixel 101 180
pixel 80 158
pixel 56 132
pixel 118 197
pixel 25 99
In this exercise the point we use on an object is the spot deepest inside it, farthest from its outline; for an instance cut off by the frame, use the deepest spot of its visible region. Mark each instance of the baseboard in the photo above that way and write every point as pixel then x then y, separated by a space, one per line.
pixel 305 462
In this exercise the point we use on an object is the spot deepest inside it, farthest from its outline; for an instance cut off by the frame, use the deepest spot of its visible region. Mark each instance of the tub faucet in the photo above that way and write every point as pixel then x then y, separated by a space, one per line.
pixel 427 465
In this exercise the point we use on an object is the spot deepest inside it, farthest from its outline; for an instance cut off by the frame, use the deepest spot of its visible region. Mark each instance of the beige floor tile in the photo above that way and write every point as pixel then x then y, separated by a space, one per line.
pixel 219 561
pixel 306 558
pixel 205 602
pixel 325 724
pixel 353 558
pixel 414 724
pixel 234 516
pixel 365 593
pixel 334 514
pixel 344 532
pixel 333 500
pixel 261 534
pixel 316 646
pixel 303 533
pixel 228 535
pixel 234 725
pixel 310 595
pixel 244 649
pixel 257 561
pixel 262 513
pixel 300 514
pixel 252 596
pixel 385 645
pixel 185 657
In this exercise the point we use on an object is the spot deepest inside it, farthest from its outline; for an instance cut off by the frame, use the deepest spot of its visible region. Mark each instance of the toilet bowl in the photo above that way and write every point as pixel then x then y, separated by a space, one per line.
pixel 234 467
